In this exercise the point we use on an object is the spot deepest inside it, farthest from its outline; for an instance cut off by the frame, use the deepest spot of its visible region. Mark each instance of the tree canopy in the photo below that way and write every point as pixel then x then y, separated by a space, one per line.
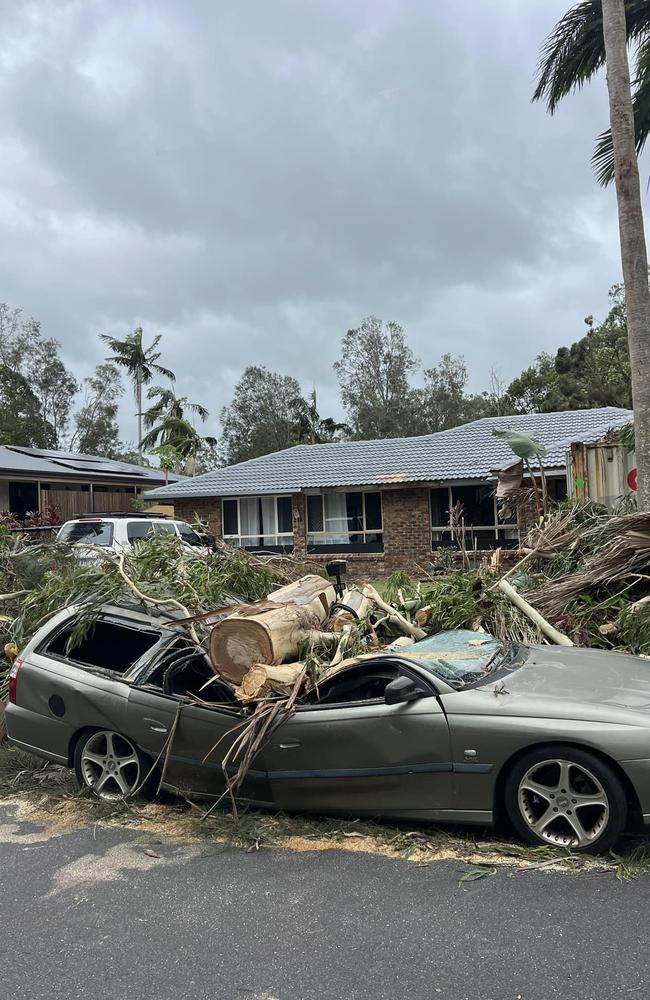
pixel 374 370
pixel 96 430
pixel 593 371
pixel 21 418
pixel 261 417
pixel 383 389
pixel 25 351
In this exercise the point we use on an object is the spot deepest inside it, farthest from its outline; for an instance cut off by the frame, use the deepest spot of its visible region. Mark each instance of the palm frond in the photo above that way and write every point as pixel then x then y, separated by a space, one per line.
pixel 165 372
pixel 198 409
pixel 150 440
pixel 603 158
pixel 575 49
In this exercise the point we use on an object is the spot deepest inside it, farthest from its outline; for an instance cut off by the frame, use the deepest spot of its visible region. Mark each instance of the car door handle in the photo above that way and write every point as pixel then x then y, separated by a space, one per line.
pixel 289 745
pixel 156 726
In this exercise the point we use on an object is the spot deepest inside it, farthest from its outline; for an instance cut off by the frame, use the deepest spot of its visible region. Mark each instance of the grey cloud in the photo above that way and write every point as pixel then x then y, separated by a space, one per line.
pixel 252 179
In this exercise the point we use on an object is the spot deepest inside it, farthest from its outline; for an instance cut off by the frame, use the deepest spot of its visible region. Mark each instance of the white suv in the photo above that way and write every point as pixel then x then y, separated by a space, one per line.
pixel 118 532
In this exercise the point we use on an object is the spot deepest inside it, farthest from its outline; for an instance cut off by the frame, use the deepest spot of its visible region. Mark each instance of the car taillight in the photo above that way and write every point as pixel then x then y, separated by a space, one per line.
pixel 13 680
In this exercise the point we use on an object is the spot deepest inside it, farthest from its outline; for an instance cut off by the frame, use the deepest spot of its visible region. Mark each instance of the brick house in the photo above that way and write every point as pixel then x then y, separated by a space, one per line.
pixel 382 505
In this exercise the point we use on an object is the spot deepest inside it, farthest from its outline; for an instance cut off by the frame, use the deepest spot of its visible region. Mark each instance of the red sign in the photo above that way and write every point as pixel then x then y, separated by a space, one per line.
pixel 632 479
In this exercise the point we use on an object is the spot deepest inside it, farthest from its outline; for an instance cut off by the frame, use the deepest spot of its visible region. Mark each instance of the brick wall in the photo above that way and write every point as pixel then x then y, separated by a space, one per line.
pixel 407 534
pixel 209 510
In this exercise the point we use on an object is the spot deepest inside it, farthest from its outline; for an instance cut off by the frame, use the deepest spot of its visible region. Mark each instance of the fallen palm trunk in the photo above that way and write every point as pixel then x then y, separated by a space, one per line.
pixel 557 637
pixel 272 633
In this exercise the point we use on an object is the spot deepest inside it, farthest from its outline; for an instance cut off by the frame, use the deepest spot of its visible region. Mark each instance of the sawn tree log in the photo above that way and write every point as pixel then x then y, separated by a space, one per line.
pixel 272 631
pixel 263 678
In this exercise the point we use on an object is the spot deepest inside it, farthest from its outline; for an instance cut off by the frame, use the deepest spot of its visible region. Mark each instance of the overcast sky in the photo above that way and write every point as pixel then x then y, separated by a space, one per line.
pixel 251 178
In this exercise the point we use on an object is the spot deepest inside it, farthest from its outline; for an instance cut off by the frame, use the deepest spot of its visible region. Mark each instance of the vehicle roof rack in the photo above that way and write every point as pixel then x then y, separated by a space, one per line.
pixel 92 515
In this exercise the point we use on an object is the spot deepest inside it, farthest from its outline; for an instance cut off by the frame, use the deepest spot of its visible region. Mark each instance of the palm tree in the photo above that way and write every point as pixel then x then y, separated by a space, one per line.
pixel 311 428
pixel 169 428
pixel 575 51
pixel 140 363
pixel 590 34
pixel 165 417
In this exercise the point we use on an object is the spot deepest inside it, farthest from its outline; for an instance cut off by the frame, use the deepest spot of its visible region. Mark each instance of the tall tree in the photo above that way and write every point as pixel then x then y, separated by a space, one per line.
pixel 21 417
pixel 373 373
pixel 140 364
pixel 24 350
pixel 444 402
pixel 632 236
pixel 96 429
pixel 261 417
pixel 578 62
pixel 170 432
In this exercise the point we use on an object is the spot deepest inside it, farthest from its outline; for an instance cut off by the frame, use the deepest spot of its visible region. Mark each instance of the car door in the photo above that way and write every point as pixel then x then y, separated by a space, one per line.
pixel 201 732
pixel 363 758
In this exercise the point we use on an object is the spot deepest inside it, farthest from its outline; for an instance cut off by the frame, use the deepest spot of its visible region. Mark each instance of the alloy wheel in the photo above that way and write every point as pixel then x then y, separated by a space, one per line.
pixel 110 765
pixel 563 803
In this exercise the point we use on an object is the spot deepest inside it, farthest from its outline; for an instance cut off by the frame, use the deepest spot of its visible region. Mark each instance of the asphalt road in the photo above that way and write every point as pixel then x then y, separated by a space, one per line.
pixel 88 914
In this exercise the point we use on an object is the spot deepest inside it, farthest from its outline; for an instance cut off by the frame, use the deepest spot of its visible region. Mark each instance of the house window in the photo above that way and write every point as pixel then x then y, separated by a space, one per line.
pixel 478 512
pixel 338 522
pixel 258 522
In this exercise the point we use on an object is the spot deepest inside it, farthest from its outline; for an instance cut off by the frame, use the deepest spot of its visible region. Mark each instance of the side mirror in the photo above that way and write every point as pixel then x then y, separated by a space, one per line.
pixel 402 689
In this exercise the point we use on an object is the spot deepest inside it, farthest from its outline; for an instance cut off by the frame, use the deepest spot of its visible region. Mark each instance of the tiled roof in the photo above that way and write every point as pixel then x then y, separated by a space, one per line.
pixel 55 465
pixel 466 452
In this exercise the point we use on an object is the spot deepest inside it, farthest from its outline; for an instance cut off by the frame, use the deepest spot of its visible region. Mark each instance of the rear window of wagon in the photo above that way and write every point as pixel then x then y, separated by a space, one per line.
pixel 94 532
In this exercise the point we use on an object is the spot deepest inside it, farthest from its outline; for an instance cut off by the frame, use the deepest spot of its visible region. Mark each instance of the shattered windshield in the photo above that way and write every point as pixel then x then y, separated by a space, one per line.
pixel 461 657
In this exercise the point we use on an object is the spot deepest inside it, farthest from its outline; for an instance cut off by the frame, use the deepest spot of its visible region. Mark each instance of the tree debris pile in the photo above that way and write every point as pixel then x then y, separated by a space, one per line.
pixel 273 630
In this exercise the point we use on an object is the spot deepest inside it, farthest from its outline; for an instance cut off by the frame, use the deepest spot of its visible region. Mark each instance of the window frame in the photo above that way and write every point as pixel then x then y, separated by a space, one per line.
pixel 70 623
pixel 286 545
pixel 322 545
pixel 139 538
pixel 498 528
pixel 403 670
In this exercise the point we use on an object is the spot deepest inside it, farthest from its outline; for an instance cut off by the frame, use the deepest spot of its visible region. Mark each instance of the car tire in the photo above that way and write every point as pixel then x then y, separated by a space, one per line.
pixel 112 767
pixel 562 796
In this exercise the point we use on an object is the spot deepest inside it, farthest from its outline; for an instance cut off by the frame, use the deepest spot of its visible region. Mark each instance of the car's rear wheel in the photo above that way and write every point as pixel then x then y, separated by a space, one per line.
pixel 111 766
pixel 566 797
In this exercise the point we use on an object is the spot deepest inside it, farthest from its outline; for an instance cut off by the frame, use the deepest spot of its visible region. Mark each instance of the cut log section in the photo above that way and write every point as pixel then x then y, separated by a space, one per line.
pixel 305 591
pixel 264 678
pixel 274 634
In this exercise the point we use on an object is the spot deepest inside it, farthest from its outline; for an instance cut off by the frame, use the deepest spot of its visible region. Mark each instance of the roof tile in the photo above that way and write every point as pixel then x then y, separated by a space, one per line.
pixel 466 452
